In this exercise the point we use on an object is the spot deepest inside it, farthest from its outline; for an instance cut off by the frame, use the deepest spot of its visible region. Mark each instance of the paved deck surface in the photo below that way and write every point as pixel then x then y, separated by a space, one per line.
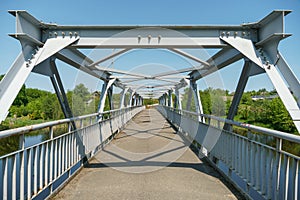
pixel 147 160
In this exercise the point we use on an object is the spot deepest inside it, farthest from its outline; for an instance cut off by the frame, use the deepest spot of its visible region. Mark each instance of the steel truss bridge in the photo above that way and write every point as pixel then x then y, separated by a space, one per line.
pixel 256 168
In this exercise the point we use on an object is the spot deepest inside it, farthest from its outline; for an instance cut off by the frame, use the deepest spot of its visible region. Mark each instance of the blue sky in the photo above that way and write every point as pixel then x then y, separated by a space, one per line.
pixel 136 12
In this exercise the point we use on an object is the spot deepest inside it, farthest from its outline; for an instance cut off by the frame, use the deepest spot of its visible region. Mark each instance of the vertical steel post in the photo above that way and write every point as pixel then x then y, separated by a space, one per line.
pixel 110 97
pixel 239 90
pixel 197 99
pixel 106 85
pixel 170 100
pixel 178 99
pixel 60 92
pixel 122 97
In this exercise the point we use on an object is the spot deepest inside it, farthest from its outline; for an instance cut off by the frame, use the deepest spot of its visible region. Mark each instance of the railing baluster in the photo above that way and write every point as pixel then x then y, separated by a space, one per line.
pixel 22 175
pixel 42 162
pixel 55 158
pixel 5 177
pixel 270 174
pixel 278 165
pixel 244 158
pixel 258 168
pixel 236 153
pixel 67 152
pixel 72 148
pixel 59 152
pixel 46 158
pixel 287 177
pixel 35 169
pixel 253 161
pixel 264 170
pixel 29 177
pixel 63 154
pixel 14 176
pixel 296 180
pixel 241 163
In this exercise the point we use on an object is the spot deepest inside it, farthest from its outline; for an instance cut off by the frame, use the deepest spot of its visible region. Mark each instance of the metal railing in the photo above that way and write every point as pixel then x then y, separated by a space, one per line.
pixel 39 170
pixel 255 162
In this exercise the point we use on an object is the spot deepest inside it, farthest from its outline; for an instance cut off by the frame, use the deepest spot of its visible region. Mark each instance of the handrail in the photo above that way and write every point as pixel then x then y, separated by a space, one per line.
pixel 270 132
pixel 38 170
pixel 243 159
pixel 26 129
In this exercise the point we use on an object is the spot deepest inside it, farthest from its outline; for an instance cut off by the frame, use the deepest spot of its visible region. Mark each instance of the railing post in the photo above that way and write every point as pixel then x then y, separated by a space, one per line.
pixel 22 141
pixel 70 127
pixel 278 165
pixel 51 133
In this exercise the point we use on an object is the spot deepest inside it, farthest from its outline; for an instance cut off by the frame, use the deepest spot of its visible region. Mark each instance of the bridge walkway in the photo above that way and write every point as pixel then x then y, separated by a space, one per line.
pixel 147 160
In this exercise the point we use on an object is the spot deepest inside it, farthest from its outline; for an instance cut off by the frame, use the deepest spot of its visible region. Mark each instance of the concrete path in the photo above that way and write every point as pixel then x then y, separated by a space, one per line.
pixel 147 160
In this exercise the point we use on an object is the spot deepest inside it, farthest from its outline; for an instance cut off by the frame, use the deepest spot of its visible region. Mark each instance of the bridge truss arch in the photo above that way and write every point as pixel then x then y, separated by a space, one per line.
pixel 256 43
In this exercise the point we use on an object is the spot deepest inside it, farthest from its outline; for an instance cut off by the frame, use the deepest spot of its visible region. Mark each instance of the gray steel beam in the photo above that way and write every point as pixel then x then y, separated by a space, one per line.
pixel 59 90
pixel 107 69
pixel 78 60
pixel 190 57
pixel 147 36
pixel 218 61
pixel 170 100
pixel 122 97
pixel 110 97
pixel 239 90
pixel 197 99
pixel 14 79
pixel 289 77
pixel 104 92
pixel 178 99
pixel 262 60
pixel 108 57
pixel 132 42
pixel 284 94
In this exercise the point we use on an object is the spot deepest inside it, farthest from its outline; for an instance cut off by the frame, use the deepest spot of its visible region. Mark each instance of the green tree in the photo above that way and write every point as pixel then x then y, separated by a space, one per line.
pixel 246 98
pixel 81 100
pixel 218 105
pixel 206 101
pixel 81 91
pixel 278 116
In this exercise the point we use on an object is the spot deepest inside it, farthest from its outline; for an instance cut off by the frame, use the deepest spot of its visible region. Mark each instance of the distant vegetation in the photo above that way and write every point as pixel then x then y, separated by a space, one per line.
pixel 267 111
pixel 33 106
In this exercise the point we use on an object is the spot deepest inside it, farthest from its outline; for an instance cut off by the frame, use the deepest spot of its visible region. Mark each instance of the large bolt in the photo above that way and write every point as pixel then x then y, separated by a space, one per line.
pixel 159 38
pixel 149 38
